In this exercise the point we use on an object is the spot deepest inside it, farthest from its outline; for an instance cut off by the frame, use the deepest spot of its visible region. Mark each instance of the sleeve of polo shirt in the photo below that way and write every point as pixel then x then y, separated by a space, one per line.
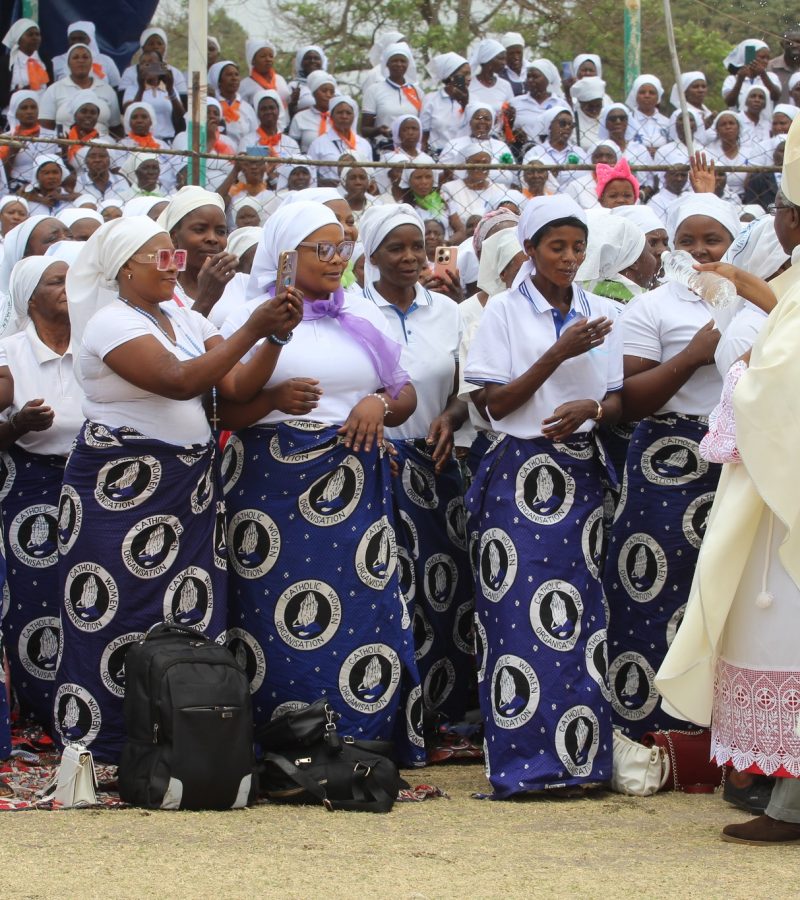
pixel 295 131
pixel 426 116
pixel 640 328
pixel 489 357
pixel 369 103
pixel 105 332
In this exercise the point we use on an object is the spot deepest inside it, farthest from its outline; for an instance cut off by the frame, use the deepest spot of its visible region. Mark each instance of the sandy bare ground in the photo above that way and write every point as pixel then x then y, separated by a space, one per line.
pixel 606 846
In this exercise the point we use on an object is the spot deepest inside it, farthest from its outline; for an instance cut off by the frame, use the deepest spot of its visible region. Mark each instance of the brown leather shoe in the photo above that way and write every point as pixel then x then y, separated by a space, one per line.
pixel 762 831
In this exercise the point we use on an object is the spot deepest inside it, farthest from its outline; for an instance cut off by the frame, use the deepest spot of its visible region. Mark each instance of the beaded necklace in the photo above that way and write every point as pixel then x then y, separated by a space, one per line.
pixel 174 341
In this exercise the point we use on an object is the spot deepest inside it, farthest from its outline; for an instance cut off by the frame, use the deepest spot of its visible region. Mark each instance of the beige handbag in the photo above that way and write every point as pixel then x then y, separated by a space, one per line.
pixel 638 770
pixel 75 783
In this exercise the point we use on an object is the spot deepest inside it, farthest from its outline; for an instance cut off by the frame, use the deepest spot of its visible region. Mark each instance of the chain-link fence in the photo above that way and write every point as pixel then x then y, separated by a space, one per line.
pixel 450 193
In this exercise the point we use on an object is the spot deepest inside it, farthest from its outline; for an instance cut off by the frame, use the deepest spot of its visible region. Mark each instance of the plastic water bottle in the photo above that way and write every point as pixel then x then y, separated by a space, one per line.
pixel 714 289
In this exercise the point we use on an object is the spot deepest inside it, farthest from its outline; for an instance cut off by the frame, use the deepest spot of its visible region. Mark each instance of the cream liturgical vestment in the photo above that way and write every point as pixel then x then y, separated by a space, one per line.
pixel 745 598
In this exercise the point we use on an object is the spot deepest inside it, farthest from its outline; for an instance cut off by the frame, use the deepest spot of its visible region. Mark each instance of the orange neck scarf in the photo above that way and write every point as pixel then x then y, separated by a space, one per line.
pixel 37 74
pixel 147 141
pixel 410 93
pixel 74 136
pixel 268 140
pixel 507 130
pixel 324 118
pixel 5 152
pixel 230 110
pixel 99 71
pixel 268 84
pixel 349 138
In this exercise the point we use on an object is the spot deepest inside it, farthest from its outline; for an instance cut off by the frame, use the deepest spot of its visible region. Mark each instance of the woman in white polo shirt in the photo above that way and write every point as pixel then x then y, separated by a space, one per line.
pixel 36 433
pixel 397 95
pixel 315 120
pixel 671 387
pixel 437 579
pixel 316 603
pixel 551 365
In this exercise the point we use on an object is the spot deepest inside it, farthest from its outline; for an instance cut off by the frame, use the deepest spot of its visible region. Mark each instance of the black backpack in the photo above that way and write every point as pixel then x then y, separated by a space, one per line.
pixel 189 724
pixel 307 761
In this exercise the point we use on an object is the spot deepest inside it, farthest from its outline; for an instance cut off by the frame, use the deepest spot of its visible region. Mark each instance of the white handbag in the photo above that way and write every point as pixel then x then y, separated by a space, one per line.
pixel 75 783
pixel 638 770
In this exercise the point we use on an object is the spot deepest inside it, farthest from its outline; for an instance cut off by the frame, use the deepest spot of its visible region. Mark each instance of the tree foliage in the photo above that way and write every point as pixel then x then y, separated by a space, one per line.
pixel 230 34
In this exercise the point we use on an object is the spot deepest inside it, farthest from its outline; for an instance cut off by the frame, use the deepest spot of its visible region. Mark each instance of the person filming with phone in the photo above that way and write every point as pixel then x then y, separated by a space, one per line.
pixel 155 84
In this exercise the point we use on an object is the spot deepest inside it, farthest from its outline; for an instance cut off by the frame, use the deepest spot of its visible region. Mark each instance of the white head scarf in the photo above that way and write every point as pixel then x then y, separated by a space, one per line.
pixel 86 200
pixel 343 98
pixel 381 43
pixel 550 72
pixel 139 206
pixel 11 39
pixel 469 111
pixel 485 51
pixel 687 78
pixel 240 201
pixel 267 94
pixel 215 42
pixel 216 70
pixel 441 67
pixel 312 195
pixel 14 246
pixel 90 97
pixel 317 78
pixel 92 280
pixel 401 48
pixel 786 109
pixel 581 58
pixel 736 57
pixel 405 178
pixel 539 212
pixel 13 198
pixel 87 28
pixel 678 115
pixel 702 205
pixel 242 239
pixel 642 216
pixel 67 251
pixel 132 163
pixel 653 80
pixel 757 249
pixel 298 60
pixel 25 278
pixel 603 132
pixel 766 112
pixel 187 200
pixel 285 229
pixel 397 124
pixel 131 109
pixel 497 252
pixel 16 98
pixel 75 47
pixel 253 45
pixel 591 88
pixel 374 226
pixel 149 32
pixel 613 245
pixel 72 215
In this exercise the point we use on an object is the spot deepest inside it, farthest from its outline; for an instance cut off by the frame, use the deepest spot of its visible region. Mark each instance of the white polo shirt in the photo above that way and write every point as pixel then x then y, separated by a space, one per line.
pixel 495 96
pixel 112 400
pixel 657 326
pixel 387 101
pixel 40 372
pixel 464 202
pixel 442 118
pixel 305 127
pixel 321 349
pixel 158 98
pixel 528 114
pixel 428 332
pixel 470 312
pixel 56 102
pixel 330 146
pixel 516 329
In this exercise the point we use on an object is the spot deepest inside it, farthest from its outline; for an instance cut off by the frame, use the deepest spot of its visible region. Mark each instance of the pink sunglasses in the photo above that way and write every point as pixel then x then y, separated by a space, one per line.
pixel 164 259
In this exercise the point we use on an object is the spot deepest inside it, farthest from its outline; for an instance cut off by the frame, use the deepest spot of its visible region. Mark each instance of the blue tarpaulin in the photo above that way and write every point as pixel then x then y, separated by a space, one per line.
pixel 119 24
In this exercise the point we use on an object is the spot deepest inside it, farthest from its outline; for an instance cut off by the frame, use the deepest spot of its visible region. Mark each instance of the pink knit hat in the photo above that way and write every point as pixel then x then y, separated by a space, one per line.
pixel 620 172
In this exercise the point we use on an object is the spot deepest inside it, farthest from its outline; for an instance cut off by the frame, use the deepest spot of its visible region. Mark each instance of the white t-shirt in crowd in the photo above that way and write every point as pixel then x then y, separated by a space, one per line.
pixel 657 326
pixel 113 401
pixel 386 102
pixel 442 118
pixel 428 332
pixel 516 329
pixel 321 349
pixel 739 336
pixel 56 102
pixel 158 98
pixel 495 96
pixel 471 313
pixel 40 372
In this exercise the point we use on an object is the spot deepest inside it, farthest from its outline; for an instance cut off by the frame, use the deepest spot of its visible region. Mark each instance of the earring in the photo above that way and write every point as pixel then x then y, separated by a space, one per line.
pixel 130 275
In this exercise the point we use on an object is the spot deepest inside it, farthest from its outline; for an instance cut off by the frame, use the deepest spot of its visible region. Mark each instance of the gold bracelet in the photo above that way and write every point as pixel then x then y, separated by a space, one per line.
pixel 599 412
